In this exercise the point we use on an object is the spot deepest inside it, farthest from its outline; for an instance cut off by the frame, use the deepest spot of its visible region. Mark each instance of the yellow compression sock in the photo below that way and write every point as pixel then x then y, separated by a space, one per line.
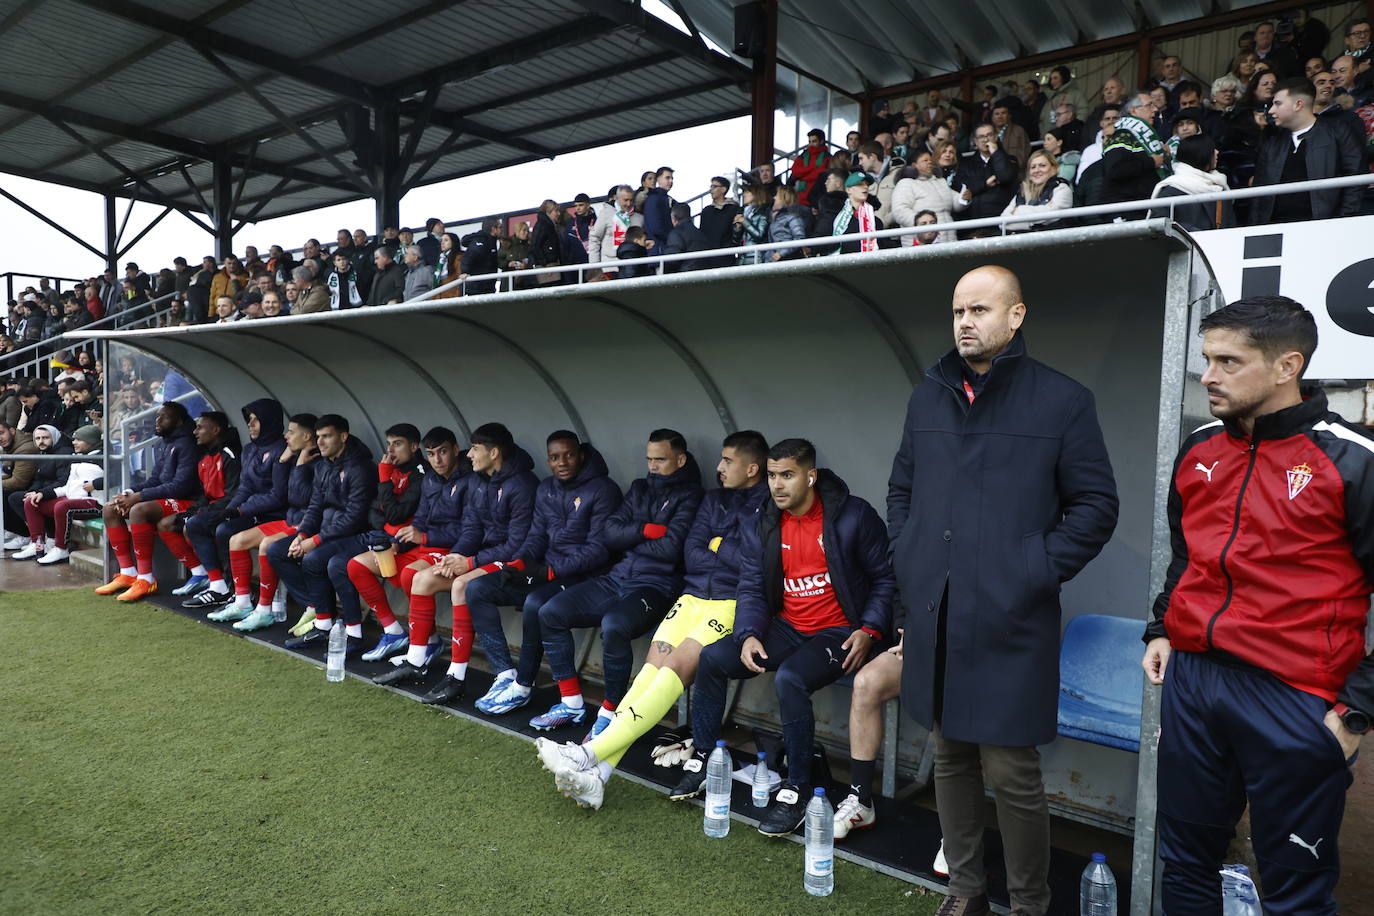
pixel 634 719
pixel 641 683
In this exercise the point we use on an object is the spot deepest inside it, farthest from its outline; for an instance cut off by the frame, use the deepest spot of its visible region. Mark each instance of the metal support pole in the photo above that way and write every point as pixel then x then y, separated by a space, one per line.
pixel 111 256
pixel 106 447
pixel 388 177
pixel 222 220
pixel 1144 50
pixel 765 89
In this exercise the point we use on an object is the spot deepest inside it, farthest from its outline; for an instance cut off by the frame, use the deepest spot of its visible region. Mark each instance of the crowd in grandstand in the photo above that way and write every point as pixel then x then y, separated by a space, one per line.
pixel 1281 112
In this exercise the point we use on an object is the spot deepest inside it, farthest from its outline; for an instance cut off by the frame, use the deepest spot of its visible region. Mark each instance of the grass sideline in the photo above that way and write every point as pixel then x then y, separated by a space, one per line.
pixel 151 764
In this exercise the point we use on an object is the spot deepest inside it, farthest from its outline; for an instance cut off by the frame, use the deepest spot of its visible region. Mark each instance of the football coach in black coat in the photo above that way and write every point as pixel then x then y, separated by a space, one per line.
pixel 1001 490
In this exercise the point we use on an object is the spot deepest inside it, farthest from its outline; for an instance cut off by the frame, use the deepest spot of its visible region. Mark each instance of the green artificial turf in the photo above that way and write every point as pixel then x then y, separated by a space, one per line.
pixel 151 764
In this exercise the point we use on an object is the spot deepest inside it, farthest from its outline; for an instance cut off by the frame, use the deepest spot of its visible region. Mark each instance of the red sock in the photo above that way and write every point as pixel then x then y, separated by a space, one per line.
pixel 407 576
pixel 608 705
pixel 122 545
pixel 462 634
pixel 216 575
pixel 180 548
pixel 267 586
pixel 372 592
pixel 241 565
pixel 142 534
pixel 421 619
pixel 569 687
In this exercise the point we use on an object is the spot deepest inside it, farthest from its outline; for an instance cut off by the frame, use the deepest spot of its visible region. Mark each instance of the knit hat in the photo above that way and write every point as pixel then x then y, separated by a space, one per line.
pixel 89 434
pixel 855 178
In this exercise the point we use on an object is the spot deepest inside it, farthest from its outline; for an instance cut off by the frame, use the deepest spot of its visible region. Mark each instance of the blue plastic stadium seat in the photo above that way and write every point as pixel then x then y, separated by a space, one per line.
pixel 1101 681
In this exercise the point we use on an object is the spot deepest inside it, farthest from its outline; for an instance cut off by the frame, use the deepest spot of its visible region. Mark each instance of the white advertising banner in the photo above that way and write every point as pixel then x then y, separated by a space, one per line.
pixel 1327 265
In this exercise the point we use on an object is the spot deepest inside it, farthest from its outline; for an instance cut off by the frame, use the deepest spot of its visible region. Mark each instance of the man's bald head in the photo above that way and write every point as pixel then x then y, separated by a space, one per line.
pixel 987 313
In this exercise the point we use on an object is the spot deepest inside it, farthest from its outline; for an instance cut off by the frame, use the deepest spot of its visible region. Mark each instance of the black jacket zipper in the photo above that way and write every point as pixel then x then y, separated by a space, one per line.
pixel 1235 530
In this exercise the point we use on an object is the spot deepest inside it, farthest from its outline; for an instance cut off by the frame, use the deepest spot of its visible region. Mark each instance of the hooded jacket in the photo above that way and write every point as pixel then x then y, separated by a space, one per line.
pixel 51 473
pixel 344 488
pixel 300 488
pixel 439 518
pixel 499 512
pixel 174 467
pixel 261 491
pixel 569 517
pixel 714 574
pixel 399 489
pixel 856 560
pixel 655 499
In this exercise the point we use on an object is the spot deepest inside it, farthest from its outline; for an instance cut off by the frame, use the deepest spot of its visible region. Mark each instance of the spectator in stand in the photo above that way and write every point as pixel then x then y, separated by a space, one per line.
pixel 315 296
pixel 1344 70
pixel 1040 194
pixel 406 237
pixel 947 161
pixel 1304 148
pixel 166 283
pixel 685 237
pixel 1357 40
pixel 1171 77
pixel 391 238
pixel 480 257
pixel 262 285
pixel 987 179
pixel 18 477
pixel 935 111
pixel 1187 123
pixel 921 190
pixel 231 280
pixel 1034 100
pixel 1011 137
pixel 110 292
pixel 1328 108
pixel 419 276
pixel 1068 158
pixel 1090 182
pixel 429 242
pixel 1163 111
pixel 449 266
pixel 842 160
pixel 1133 156
pixel 882 178
pixel 52 318
pixel 1311 35
pixel 791 222
pixel 751 226
pixel 646 184
pixel 636 245
pixel 311 250
pixel 1259 95
pixel 388 282
pixel 1279 57
pixel 577 234
pixel 272 305
pixel 198 292
pixel 279 265
pixel 616 217
pixel 810 167
pixel 1244 67
pixel 1194 172
pixel 852 141
pixel 252 261
pixel 857 215
pixel 94 305
pixel 881 116
pixel 1062 89
pixel 767 179
pixel 717 220
pixel 225 310
pixel 515 254
pixel 935 136
pixel 363 245
pixel 926 218
pixel 830 202
pixel 546 249
pixel 74 315
pixel 658 206
pixel 140 280
pixel 1313 66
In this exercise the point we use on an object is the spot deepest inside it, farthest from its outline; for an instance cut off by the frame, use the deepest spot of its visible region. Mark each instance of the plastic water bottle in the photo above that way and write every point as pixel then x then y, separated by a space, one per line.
pixel 761 785
pixel 338 648
pixel 1238 894
pixel 279 607
pixel 820 846
pixel 717 818
pixel 1097 890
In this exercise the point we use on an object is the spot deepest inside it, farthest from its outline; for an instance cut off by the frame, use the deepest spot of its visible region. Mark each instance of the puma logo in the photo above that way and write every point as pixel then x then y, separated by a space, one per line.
pixel 635 717
pixel 830 653
pixel 1206 470
pixel 1310 847
pixel 786 546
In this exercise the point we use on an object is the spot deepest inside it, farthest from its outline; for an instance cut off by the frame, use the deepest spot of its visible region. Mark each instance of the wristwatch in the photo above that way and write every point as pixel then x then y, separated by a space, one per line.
pixel 1355 722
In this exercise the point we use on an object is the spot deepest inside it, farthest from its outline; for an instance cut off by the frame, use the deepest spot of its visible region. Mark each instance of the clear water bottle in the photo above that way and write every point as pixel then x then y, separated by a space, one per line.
pixel 1097 890
pixel 1238 894
pixel 338 648
pixel 717 817
pixel 761 785
pixel 279 607
pixel 820 846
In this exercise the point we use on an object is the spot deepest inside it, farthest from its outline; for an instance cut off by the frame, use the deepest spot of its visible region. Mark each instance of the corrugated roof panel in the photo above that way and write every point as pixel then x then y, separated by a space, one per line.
pixel 299 37
pixel 31 44
pixel 667 115
pixel 152 87
pixel 36 142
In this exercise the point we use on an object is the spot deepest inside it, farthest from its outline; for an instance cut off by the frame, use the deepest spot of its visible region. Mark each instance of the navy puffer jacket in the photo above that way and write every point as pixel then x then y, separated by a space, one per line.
pixel 261 492
pixel 344 488
pixel 569 516
pixel 656 499
pixel 500 509
pixel 714 574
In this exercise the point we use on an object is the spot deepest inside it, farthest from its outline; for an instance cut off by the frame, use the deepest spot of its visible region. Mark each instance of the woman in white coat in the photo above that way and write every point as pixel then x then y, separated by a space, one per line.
pixel 921 189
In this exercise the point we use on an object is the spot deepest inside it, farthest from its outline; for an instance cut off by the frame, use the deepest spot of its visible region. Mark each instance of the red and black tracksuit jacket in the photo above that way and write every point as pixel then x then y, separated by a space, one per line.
pixel 398 495
pixel 218 470
pixel 1273 550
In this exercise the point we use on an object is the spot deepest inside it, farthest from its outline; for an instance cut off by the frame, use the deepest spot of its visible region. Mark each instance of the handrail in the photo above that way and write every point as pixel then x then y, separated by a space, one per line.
pixel 1002 222
pixel 9 276
pixel 119 319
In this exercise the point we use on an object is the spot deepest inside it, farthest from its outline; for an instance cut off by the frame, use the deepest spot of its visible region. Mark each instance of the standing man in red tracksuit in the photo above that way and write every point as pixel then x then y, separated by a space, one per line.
pixel 1261 622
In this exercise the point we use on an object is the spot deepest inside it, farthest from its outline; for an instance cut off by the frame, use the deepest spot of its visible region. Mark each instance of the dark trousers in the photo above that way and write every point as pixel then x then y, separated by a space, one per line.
pixel 14 513
pixel 487 595
pixel 350 605
pixel 212 546
pixel 1023 817
pixel 624 612
pixel 308 578
pixel 804 663
pixel 1229 733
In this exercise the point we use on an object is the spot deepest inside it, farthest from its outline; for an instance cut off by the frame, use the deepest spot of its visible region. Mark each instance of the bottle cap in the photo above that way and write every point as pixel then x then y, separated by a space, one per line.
pixel 818 792
pixel 1100 858
pixel 762 755
pixel 720 742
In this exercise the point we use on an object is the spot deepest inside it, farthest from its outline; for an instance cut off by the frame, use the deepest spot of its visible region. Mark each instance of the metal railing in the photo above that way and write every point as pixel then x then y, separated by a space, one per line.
pixel 31 361
pixel 9 276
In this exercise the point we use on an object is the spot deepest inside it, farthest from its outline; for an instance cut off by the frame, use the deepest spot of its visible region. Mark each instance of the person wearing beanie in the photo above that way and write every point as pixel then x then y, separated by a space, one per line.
pixel 81 496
